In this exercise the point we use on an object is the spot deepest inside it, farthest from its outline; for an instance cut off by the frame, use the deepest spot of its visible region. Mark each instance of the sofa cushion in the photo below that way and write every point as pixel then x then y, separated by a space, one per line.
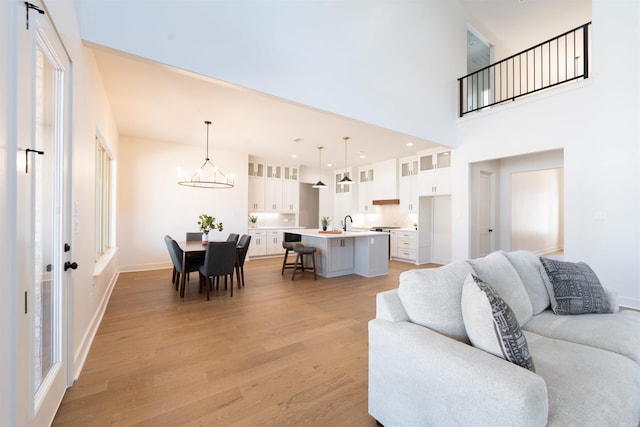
pixel 496 269
pixel 574 288
pixel 531 272
pixel 617 332
pixel 491 325
pixel 431 298
pixel 587 386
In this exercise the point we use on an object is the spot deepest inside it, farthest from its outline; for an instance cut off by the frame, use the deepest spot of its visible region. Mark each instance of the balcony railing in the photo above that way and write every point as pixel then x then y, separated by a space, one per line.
pixel 551 63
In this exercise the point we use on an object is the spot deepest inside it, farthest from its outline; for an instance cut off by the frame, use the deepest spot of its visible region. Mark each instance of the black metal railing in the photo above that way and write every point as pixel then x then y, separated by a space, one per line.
pixel 559 60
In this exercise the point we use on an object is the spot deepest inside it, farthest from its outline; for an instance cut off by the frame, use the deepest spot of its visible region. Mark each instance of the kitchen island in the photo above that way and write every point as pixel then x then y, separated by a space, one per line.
pixel 365 253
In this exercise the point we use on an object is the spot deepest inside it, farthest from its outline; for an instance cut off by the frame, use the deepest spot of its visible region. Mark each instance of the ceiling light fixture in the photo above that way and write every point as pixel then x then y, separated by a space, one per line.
pixel 319 184
pixel 345 180
pixel 208 175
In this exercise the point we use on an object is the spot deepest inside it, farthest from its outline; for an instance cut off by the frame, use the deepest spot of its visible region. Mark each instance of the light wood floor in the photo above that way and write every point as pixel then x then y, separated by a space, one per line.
pixel 277 353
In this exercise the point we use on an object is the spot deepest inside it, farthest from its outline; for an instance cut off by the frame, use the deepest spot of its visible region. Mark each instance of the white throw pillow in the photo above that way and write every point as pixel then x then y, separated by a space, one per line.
pixel 491 324
pixel 496 269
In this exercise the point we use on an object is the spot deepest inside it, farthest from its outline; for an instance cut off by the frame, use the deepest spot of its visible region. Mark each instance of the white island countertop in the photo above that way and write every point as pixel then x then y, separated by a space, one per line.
pixel 338 234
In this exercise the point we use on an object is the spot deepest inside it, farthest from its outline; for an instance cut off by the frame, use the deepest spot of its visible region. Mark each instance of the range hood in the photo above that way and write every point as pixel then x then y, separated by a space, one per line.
pixel 386 202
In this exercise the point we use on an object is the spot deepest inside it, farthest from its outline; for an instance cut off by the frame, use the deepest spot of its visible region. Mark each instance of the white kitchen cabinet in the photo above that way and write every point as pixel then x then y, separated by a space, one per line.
pixel 256 169
pixel 274 242
pixel 408 185
pixel 273 195
pixel 258 245
pixel 273 187
pixel 407 245
pixel 435 174
pixel 366 188
pixel 290 190
pixel 256 194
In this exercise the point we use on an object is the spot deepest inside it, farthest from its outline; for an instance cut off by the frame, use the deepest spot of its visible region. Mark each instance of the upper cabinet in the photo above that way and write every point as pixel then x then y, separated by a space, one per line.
pixel 435 173
pixel 366 189
pixel 273 187
pixel 408 184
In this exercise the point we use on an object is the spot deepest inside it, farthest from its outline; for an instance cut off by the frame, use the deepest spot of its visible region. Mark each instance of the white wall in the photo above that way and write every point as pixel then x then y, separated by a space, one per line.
pixel 537 212
pixel 394 64
pixel 596 123
pixel 151 204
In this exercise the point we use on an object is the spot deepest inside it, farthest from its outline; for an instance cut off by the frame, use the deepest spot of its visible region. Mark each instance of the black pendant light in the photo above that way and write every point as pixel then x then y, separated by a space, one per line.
pixel 345 180
pixel 319 184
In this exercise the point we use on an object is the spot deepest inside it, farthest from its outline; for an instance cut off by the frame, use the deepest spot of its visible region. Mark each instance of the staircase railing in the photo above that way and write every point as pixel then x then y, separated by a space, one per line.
pixel 556 61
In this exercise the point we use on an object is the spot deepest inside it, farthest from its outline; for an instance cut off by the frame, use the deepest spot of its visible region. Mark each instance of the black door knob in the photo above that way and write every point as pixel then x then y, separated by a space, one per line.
pixel 70 265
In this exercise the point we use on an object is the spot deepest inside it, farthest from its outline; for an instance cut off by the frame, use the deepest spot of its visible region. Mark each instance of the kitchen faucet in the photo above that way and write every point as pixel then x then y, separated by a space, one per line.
pixel 345 222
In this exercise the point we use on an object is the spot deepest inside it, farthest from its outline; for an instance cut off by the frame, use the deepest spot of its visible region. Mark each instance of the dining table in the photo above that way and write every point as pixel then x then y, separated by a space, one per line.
pixel 192 247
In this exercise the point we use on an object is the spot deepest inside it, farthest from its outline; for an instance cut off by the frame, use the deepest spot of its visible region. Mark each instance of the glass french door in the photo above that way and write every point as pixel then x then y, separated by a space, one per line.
pixel 43 212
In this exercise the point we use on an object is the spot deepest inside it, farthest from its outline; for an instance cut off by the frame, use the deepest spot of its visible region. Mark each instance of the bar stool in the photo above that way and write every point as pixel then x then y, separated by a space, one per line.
pixel 301 251
pixel 289 242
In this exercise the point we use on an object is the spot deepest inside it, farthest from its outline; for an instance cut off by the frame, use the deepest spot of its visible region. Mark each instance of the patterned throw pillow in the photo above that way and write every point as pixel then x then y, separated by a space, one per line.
pixel 491 324
pixel 575 288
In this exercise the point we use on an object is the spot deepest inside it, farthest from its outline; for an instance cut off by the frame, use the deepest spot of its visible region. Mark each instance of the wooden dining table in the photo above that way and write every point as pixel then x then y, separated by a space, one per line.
pixel 191 247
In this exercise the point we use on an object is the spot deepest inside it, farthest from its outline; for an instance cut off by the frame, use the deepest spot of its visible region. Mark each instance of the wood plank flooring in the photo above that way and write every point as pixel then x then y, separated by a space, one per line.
pixel 277 353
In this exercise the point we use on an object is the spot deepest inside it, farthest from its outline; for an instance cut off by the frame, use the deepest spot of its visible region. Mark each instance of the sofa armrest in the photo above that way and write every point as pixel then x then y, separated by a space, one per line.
pixel 420 377
pixel 389 306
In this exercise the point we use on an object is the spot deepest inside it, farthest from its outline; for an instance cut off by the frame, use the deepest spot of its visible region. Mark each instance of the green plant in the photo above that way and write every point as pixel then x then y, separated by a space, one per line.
pixel 253 219
pixel 208 223
pixel 325 221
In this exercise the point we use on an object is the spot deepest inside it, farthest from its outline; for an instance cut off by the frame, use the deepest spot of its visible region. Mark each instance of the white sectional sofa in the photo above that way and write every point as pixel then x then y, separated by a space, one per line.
pixel 425 371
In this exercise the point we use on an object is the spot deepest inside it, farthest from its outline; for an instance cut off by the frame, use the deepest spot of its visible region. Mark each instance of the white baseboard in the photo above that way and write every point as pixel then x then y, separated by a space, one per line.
pixel 81 354
pixel 633 303
pixel 145 267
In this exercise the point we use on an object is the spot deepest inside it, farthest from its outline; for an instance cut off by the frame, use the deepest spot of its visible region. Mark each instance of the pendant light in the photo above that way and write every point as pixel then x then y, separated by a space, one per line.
pixel 345 180
pixel 319 184
pixel 208 175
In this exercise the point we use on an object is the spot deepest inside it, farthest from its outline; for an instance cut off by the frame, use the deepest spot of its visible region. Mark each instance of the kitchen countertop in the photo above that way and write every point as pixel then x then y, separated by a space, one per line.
pixel 342 234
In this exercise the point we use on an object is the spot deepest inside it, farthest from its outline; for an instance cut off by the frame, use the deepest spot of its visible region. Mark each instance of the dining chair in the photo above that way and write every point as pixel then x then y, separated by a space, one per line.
pixel 219 260
pixel 243 247
pixel 193 236
pixel 176 265
pixel 233 237
pixel 177 255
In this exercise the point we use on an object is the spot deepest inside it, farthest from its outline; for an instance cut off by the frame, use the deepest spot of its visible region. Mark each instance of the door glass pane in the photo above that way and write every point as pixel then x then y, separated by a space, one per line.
pixel 46 279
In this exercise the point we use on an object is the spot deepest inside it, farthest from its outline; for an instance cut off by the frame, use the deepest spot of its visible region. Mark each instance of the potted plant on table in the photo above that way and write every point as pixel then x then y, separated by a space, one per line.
pixel 208 223
pixel 325 221
pixel 253 219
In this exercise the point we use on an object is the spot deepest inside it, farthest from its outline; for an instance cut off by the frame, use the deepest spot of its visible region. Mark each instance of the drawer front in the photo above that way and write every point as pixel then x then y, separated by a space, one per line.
pixel 406 244
pixel 406 235
pixel 409 254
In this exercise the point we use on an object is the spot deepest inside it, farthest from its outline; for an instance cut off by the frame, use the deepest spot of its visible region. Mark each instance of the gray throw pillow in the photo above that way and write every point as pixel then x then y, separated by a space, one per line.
pixel 574 288
pixel 491 324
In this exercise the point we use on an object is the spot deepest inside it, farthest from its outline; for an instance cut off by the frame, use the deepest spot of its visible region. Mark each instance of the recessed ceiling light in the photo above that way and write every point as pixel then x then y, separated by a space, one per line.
pixel 294 156
pixel 409 144
pixel 297 140
pixel 329 165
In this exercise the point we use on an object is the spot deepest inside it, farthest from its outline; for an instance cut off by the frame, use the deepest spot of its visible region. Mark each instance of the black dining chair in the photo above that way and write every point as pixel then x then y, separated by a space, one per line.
pixel 243 247
pixel 176 265
pixel 192 236
pixel 233 237
pixel 219 260
pixel 177 255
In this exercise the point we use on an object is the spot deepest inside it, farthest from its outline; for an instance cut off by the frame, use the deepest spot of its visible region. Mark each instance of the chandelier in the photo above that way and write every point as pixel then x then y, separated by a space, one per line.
pixel 208 175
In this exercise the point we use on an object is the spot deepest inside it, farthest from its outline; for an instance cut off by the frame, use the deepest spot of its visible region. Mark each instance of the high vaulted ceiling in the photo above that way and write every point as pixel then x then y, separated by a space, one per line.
pixel 157 102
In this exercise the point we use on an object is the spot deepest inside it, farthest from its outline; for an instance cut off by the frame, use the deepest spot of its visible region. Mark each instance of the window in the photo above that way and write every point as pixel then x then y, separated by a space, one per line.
pixel 104 199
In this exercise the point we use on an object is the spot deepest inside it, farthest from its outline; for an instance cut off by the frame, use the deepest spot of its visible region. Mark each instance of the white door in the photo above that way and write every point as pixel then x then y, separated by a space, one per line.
pixel 485 215
pixel 43 141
